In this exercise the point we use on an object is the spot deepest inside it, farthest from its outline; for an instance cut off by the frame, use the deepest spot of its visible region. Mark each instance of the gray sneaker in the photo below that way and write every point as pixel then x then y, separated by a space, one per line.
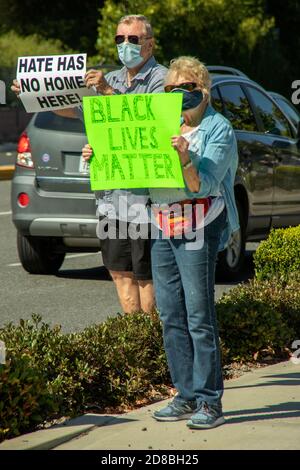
pixel 175 411
pixel 206 417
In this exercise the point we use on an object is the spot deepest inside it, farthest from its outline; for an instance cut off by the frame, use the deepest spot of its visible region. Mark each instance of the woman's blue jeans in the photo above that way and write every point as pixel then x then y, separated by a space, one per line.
pixel 184 283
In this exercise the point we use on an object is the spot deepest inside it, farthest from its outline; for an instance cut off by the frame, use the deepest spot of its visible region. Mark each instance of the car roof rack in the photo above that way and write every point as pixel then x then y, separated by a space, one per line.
pixel 225 70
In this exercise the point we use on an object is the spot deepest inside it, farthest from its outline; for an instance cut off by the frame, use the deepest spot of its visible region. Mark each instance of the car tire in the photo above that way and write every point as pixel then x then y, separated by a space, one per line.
pixel 231 261
pixel 37 255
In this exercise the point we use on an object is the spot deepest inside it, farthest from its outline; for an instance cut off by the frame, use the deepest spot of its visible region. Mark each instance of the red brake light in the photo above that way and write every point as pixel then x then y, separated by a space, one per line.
pixel 23 199
pixel 24 144
pixel 24 157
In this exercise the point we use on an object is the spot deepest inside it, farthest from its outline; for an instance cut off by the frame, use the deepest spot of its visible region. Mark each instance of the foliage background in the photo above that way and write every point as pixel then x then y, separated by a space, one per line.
pixel 258 36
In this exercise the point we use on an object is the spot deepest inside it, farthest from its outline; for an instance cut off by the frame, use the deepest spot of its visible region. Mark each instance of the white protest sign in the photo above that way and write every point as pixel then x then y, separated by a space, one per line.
pixel 52 82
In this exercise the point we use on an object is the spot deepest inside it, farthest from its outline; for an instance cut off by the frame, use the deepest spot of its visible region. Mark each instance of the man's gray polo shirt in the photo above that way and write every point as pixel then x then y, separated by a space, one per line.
pixel 150 79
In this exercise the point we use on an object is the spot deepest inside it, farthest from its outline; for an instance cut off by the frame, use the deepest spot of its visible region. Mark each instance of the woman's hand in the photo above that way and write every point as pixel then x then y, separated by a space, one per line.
pixel 180 144
pixel 190 174
pixel 87 152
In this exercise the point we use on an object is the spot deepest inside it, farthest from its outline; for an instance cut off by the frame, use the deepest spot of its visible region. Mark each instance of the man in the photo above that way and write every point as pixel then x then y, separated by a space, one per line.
pixel 128 260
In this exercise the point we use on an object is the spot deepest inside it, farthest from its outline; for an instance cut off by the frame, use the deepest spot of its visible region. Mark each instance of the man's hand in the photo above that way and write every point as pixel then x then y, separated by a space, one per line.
pixel 16 87
pixel 96 78
pixel 87 152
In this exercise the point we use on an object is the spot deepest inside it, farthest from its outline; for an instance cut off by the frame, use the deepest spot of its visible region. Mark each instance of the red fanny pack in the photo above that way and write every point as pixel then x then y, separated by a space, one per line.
pixel 183 216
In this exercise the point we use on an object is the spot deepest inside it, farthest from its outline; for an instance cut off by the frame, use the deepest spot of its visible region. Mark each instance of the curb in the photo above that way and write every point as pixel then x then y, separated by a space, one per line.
pixel 6 172
pixel 48 439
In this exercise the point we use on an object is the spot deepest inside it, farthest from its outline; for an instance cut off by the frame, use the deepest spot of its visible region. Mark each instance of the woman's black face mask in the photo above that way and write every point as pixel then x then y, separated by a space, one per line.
pixel 191 99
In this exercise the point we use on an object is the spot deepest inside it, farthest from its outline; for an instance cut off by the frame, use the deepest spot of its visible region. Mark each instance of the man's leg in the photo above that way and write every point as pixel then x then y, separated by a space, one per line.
pixel 128 290
pixel 141 265
pixel 116 255
pixel 146 295
pixel 129 264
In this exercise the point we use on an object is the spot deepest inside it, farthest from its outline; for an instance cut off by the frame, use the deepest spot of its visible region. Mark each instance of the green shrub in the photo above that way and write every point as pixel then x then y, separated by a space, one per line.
pixel 134 356
pixel 255 317
pixel 13 46
pixel 279 255
pixel 49 350
pixel 127 357
pixel 25 397
pixel 285 296
pixel 122 360
pixel 111 364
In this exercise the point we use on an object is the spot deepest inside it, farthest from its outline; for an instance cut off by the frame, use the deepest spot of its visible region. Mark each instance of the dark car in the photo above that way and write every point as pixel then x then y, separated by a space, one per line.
pixel 54 209
pixel 287 107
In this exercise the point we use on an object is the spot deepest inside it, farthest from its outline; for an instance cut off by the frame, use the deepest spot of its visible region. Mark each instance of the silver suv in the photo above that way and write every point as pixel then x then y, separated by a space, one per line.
pixel 52 204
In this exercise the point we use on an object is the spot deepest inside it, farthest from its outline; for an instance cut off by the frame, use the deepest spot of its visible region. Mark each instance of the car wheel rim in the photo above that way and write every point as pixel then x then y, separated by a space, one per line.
pixel 234 249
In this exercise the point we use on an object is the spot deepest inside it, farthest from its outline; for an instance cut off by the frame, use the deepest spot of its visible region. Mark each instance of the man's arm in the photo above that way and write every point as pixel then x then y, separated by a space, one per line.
pixel 68 112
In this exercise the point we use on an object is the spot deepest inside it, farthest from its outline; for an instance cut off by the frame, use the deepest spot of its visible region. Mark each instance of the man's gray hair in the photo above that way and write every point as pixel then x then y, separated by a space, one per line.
pixel 128 19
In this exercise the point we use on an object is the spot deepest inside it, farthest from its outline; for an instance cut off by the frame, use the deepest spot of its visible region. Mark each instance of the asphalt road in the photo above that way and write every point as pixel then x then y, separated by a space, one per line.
pixel 81 293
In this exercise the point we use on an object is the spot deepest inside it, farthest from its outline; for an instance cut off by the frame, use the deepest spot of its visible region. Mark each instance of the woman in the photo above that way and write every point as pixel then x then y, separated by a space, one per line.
pixel 184 269
pixel 183 266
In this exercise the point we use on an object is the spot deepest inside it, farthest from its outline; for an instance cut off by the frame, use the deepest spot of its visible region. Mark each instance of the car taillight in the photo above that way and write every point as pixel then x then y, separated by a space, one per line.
pixel 23 199
pixel 24 157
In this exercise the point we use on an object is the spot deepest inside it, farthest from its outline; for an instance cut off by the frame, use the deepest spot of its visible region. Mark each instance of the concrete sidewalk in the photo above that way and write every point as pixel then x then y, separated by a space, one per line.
pixel 262 410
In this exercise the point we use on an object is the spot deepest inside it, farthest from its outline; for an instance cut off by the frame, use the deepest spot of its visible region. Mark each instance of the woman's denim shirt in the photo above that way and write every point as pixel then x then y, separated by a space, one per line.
pixel 217 164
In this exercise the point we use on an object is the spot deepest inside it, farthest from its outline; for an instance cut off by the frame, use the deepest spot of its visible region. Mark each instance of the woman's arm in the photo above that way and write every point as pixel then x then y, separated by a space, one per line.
pixel 190 173
pixel 220 153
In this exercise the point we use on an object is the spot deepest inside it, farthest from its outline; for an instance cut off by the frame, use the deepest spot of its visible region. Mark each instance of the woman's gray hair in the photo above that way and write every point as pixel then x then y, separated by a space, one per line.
pixel 128 19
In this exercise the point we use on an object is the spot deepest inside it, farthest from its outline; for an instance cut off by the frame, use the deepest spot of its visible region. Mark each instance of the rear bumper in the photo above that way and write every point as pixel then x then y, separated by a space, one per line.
pixel 63 227
pixel 52 214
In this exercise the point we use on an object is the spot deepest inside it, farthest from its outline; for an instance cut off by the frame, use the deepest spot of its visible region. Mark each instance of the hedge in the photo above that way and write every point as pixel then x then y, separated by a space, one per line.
pixel 49 374
pixel 115 363
pixel 259 316
pixel 279 255
pixel 25 398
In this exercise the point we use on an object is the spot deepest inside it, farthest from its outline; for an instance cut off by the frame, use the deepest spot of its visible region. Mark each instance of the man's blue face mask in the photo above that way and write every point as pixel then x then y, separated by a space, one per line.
pixel 191 99
pixel 130 54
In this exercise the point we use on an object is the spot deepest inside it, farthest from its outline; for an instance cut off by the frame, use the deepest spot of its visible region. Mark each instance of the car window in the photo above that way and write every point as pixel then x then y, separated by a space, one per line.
pixel 289 111
pixel 216 101
pixel 237 108
pixel 273 119
pixel 51 121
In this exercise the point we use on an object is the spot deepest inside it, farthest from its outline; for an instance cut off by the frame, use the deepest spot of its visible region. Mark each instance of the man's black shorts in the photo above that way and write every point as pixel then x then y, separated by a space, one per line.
pixel 120 252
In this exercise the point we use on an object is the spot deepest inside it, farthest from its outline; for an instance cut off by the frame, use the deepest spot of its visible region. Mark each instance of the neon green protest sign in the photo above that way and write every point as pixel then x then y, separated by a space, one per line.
pixel 131 139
